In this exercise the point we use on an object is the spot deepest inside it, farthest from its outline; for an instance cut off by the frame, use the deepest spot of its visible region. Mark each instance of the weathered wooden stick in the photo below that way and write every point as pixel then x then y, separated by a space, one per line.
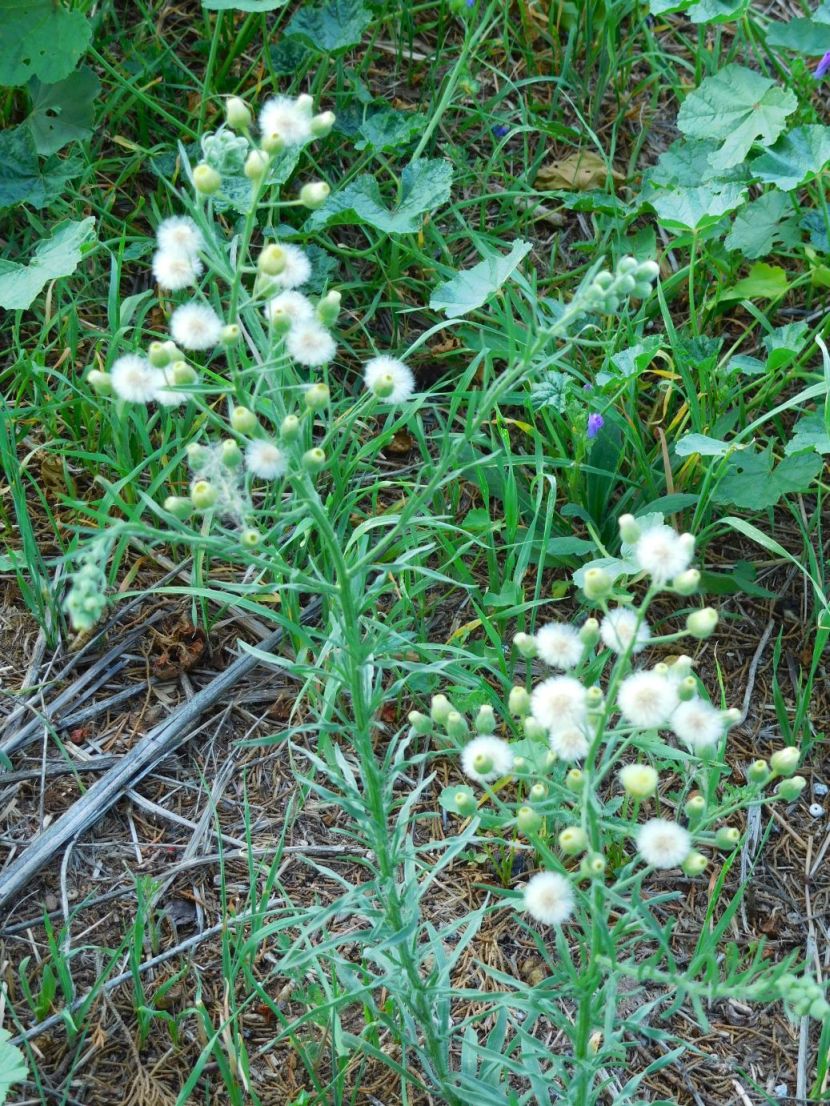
pixel 132 767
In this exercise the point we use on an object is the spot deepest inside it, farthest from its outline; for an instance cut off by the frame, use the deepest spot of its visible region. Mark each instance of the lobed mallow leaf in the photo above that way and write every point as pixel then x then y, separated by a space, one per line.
pixel 39 38
pixel 471 288
pixel 425 185
pixel 332 27
pixel 795 157
pixel 55 257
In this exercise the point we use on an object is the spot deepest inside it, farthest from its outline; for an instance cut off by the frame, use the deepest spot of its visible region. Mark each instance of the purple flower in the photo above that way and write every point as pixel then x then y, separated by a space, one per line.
pixel 471 3
pixel 822 66
pixel 500 130
pixel 595 424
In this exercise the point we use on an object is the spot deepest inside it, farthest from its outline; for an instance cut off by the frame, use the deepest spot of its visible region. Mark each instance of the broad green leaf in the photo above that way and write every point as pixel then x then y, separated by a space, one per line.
pixel 471 288
pixel 244 5
pixel 746 365
pixel 795 157
pixel 702 444
pixel 739 107
pixel 811 432
pixel 335 25
pixel 23 180
pixel 752 482
pixel 569 547
pixel 614 566
pixel 288 56
pixel 39 38
pixel 552 391
pixel 425 186
pixel 632 361
pixel 765 223
pixel 388 129
pixel 764 282
pixel 784 344
pixel 697 208
pixel 13 1068
pixel 717 11
pixel 807 36
pixel 687 163
pixel 62 112
pixel 55 257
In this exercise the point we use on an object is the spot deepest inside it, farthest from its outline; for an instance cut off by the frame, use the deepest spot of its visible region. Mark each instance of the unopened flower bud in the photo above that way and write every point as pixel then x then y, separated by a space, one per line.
pixel 597 583
pixel 594 698
pixel 271 260
pixel 573 840
pixel 695 807
pixel 231 454
pixel 321 124
pixel 203 495
pixel 785 761
pixel 197 456
pixel 465 801
pixel 758 772
pixel 440 709
pixel 642 290
pixel 256 165
pixel 593 866
pixel 603 280
pixel 648 270
pixel 314 194
pixel 694 864
pixel 639 780
pixel 243 420
pixel 290 428
pixel 317 397
pixel 383 386
pixel 687 688
pixel 420 723
pixel 328 308
pixel 574 780
pixel 687 582
pixel 526 645
pixel 100 383
pixel 534 729
pixel 790 789
pixel 179 506
pixel 518 702
pixel 727 837
pixel 314 459
pixel 273 143
pixel 589 632
pixel 550 758
pixel 456 726
pixel 205 179
pixel 483 764
pixel 520 764
pixel 158 354
pixel 538 793
pixel 250 538
pixel 229 334
pixel 182 374
pixel 731 717
pixel 485 721
pixel 702 623
pixel 627 264
pixel 528 820
pixel 237 114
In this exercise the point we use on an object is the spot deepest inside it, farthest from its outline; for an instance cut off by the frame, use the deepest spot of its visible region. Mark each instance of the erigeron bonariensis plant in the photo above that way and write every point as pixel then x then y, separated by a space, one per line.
pixel 610 776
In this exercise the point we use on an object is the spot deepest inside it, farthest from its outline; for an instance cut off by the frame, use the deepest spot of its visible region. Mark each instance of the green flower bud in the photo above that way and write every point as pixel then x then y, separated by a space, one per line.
pixel 625 284
pixel 727 837
pixel 639 780
pixel 731 717
pixel 687 582
pixel 485 721
pixel 528 820
pixel 273 143
pixel 574 780
pixel 203 495
pixel 695 808
pixel 243 420
pixel 627 265
pixel 271 260
pixel 179 506
pixel 465 801
pixel 629 529
pixel 520 764
pixel 231 454
pixel 589 632
pixel 648 270
pixel 384 386
pixel 483 764
pixel 420 723
pixel 642 290
pixel 534 729
pixel 702 623
pixel 314 460
pixel 237 114
pixel 526 645
pixel 250 538
pixel 100 383
pixel 594 698
pixel 694 864
pixel 173 351
pixel 785 761
pixel 758 772
pixel 206 180
pixel 183 374
pixel 456 725
pixel 317 397
pixel 440 709
pixel 538 793
pixel 314 194
pixel 603 281
pixel 592 866
pixel 158 354
pixel 197 456
pixel 328 308
pixel 790 789
pixel 321 124
pixel 290 428
pixel 230 334
pixel 573 840
pixel 687 688
pixel 256 165
pixel 597 583
pixel 518 702
pixel 550 758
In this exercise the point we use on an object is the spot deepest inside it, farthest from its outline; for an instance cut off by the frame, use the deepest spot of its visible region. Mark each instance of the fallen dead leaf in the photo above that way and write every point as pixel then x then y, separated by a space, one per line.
pixel 578 172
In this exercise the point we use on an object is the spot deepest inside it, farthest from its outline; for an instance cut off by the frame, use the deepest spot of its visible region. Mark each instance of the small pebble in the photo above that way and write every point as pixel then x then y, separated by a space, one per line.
pixel 816 810
pixel 819 789
pixel 780 1091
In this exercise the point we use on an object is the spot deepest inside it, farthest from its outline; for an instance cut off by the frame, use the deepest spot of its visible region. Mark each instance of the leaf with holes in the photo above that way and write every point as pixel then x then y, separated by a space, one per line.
pixel 332 27
pixel 55 257
pixel 471 288
pixel 39 38
pixel 762 225
pixel 62 112
pixel 23 179
pixel 425 186
pixel 795 157
pixel 739 107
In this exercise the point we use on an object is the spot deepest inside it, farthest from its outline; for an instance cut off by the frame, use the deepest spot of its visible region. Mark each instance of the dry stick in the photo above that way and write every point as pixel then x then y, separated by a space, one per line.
pixel 134 766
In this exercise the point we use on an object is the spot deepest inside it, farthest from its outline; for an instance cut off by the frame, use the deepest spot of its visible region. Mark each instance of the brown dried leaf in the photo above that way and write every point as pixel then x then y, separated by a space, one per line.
pixel 578 172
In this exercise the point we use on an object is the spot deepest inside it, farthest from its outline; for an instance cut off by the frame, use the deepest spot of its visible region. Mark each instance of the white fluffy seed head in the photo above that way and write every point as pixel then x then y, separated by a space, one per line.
pixel 264 459
pixel 174 271
pixel 569 744
pixel 647 699
pixel 619 628
pixel 559 645
pixel 558 702
pixel 698 724
pixel 663 844
pixel 134 379
pixel 179 234
pixel 296 269
pixel 390 379
pixel 486 758
pixel 663 553
pixel 310 344
pixel 196 326
pixel 287 119
pixel 549 898
pixel 288 307
pixel 168 393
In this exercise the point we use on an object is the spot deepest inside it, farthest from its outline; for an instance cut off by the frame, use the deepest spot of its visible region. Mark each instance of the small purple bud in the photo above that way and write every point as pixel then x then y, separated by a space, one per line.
pixel 471 3
pixel 500 130
pixel 595 424
pixel 822 66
